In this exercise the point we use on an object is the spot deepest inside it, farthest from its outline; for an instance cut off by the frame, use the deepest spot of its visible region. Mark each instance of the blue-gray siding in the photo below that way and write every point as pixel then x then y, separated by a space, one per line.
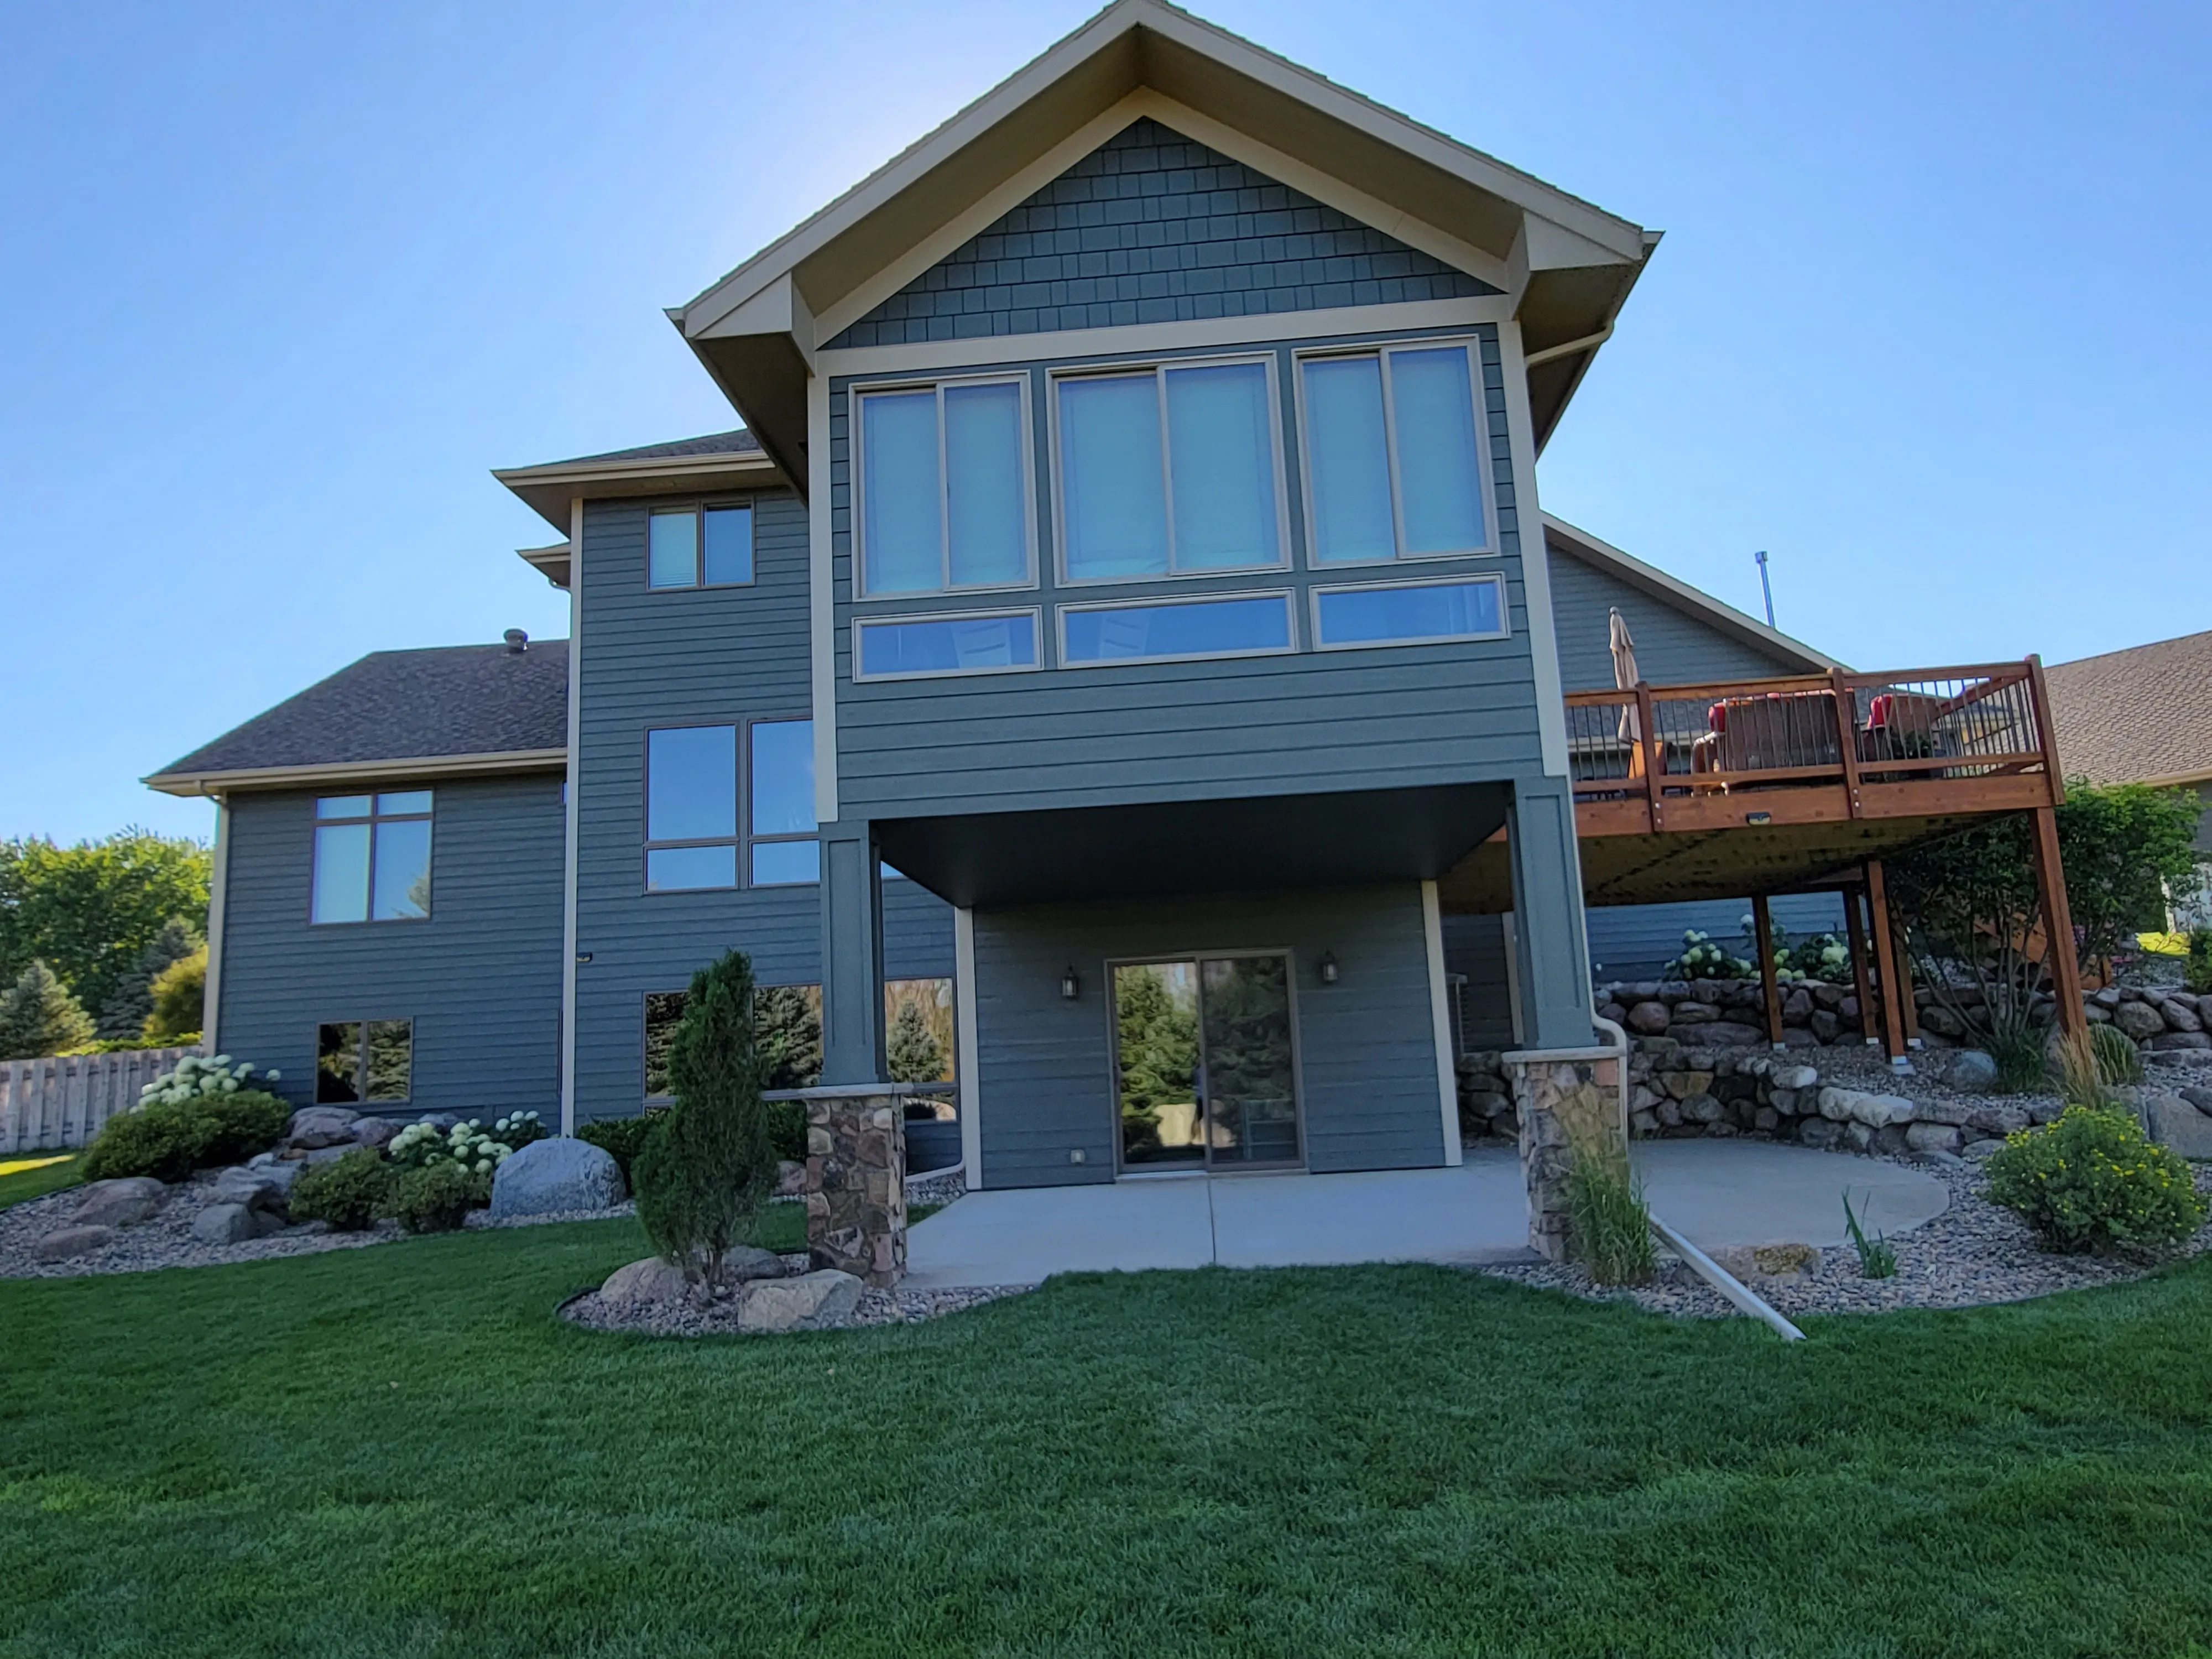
pixel 481 978
pixel 1152 227
pixel 1673 647
pixel 1474 948
pixel 670 658
pixel 1344 719
pixel 1634 941
pixel 1366 1045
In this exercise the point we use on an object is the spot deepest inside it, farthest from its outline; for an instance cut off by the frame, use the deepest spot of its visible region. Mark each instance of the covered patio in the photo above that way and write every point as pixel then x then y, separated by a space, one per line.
pixel 1716 1194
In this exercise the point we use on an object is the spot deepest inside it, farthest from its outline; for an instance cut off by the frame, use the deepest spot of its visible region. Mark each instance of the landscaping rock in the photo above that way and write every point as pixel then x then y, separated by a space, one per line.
pixel 1795 1077
pixel 1701 1109
pixel 649 1281
pixel 556 1175
pixel 232 1223
pixel 257 1190
pixel 1933 1138
pixel 781 1304
pixel 1868 1110
pixel 119 1202
pixel 2166 1042
pixel 322 1126
pixel 1730 1033
pixel 2177 1124
pixel 1935 1017
pixel 1998 1120
pixel 2139 1020
pixel 373 1132
pixel 2181 1014
pixel 1971 1070
pixel 1695 1014
pixel 1648 1018
pixel 1818 1132
pixel 2200 1098
pixel 744 1263
pixel 68 1242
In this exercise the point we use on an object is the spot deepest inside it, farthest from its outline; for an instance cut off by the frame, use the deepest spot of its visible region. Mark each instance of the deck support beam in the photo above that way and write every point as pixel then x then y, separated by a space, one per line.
pixel 2064 967
pixel 1862 987
pixel 1885 963
pixel 1763 928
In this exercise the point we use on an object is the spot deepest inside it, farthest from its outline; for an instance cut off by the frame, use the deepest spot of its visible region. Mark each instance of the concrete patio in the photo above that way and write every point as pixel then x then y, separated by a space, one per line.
pixel 1717 1193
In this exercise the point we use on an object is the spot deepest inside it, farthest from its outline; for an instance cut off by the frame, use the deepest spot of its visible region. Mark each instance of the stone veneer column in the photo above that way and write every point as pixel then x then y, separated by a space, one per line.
pixel 855 1182
pixel 1565 1097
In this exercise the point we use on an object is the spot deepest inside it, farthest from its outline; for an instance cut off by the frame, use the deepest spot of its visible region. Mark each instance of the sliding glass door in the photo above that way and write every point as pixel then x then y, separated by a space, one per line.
pixel 1204 1066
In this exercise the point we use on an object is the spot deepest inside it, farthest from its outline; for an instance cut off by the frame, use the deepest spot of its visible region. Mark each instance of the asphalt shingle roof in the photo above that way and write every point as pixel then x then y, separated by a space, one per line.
pixel 2143 713
pixel 740 442
pixel 400 705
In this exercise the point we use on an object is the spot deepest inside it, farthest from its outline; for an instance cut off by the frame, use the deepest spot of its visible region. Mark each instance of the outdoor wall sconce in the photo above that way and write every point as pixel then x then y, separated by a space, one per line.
pixel 1328 967
pixel 1070 986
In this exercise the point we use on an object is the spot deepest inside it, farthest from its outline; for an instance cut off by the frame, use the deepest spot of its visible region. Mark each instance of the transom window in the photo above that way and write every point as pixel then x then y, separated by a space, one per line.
pixel 372 858
pixel 1163 630
pixel 945 495
pixel 1409 613
pixel 1393 455
pixel 1168 472
pixel 983 642
pixel 692 811
pixel 370 1062
pixel 710 546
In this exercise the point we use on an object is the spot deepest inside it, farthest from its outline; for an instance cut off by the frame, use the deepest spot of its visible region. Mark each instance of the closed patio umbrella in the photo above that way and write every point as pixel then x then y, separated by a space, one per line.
pixel 1625 678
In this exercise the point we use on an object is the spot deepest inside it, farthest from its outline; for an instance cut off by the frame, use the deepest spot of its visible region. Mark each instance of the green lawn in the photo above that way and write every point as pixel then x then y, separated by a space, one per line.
pixel 31 1177
pixel 398 1450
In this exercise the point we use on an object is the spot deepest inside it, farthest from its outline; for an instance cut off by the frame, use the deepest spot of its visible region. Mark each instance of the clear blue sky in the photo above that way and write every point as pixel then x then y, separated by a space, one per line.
pixel 282 282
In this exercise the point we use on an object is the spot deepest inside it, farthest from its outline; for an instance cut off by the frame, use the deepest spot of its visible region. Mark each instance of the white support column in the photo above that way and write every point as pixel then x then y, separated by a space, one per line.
pixel 568 878
pixel 218 887
pixel 969 1047
pixel 1432 926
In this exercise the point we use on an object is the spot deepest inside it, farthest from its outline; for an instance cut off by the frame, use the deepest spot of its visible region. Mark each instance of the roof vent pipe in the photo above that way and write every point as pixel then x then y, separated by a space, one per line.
pixel 517 641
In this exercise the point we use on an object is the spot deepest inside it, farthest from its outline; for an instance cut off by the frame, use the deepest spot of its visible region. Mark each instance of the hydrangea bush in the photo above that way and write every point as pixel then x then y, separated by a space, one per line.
pixel 469 1145
pixel 197 1078
pixel 1703 959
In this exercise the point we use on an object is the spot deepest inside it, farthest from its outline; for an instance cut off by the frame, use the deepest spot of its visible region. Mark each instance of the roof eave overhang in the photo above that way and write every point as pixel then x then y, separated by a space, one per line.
pixel 1671 591
pixel 1570 264
pixel 548 490
pixel 219 783
pixel 550 562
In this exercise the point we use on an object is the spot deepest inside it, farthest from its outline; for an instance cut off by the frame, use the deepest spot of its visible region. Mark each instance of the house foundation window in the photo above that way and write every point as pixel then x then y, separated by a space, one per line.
pixel 364 1062
pixel 372 858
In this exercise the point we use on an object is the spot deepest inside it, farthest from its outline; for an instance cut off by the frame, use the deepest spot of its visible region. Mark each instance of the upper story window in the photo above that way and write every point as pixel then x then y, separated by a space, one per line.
pixel 710 546
pixel 1168 472
pixel 372 858
pixel 692 817
pixel 1393 458
pixel 943 488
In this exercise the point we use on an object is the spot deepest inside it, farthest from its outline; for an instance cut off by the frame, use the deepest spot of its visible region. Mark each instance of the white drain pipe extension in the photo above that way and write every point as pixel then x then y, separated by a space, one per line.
pixel 1725 1282
pixel 1621 1047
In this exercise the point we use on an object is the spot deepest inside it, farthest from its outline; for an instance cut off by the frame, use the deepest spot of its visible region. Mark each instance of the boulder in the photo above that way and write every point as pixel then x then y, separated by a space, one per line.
pixel 1941 1020
pixel 1825 1026
pixel 119 1202
pixel 2176 1123
pixel 1683 1085
pixel 2108 998
pixel 1729 1032
pixel 1613 1012
pixel 2200 1098
pixel 1971 1070
pixel 1695 1014
pixel 745 1262
pixel 1797 1007
pixel 1482 1105
pixel 1870 1110
pixel 322 1126
pixel 2168 1042
pixel 2139 1020
pixel 820 1297
pixel 1818 1131
pixel 1979 1150
pixel 559 1174
pixel 1795 1076
pixel 232 1223
pixel 1933 1138
pixel 2181 1014
pixel 1648 1018
pixel 257 1190
pixel 68 1242
pixel 1858 1137
pixel 1643 1123
pixel 1701 1109
pixel 643 1282
pixel 1998 1120
pixel 373 1131
pixel 1956 1113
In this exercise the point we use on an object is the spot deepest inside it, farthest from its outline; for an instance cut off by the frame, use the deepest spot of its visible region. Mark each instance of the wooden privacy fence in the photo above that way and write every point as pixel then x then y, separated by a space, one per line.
pixel 64 1100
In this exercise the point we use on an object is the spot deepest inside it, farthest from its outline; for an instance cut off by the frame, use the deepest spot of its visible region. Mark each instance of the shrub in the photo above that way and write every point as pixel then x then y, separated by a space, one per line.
pixel 437 1197
pixel 518 1129
pixel 39 1016
pixel 1703 959
pixel 2017 1044
pixel 170 1139
pixel 2197 969
pixel 621 1137
pixel 1613 1224
pixel 420 1145
pixel 2082 1080
pixel 707 1167
pixel 348 1192
pixel 2118 1060
pixel 178 999
pixel 2094 1182
pixel 196 1077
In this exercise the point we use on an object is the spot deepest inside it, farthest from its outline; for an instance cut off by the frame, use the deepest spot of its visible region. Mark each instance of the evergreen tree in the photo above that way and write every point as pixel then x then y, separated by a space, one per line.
pixel 123 1017
pixel 39 1016
pixel 789 1019
pixel 914 1054
pixel 708 1167
pixel 179 998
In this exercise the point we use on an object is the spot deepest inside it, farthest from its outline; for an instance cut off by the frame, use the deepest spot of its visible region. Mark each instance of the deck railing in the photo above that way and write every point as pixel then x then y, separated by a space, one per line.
pixel 1916 739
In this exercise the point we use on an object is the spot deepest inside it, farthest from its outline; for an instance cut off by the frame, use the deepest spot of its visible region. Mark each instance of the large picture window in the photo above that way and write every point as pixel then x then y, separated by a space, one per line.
pixel 364 1061
pixel 1393 454
pixel 372 858
pixel 699 546
pixel 690 808
pixel 945 496
pixel 784 850
pixel 1168 472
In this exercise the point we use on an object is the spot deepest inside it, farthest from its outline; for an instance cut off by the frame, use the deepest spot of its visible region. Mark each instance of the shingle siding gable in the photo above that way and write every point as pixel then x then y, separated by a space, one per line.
pixel 1152 228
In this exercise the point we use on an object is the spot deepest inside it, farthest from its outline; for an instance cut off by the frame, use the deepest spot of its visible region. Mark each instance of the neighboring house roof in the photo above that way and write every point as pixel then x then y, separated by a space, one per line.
pixel 1564 538
pixel 2141 715
pixel 719 461
pixel 454 708
pixel 1570 264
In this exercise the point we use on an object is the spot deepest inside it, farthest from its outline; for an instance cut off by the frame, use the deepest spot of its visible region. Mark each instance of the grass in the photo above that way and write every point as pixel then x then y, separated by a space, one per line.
pixel 25 1178
pixel 398 1450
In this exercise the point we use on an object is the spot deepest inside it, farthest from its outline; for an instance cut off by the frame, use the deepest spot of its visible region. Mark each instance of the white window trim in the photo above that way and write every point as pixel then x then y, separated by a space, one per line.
pixel 1383 351
pixel 1493 578
pixel 372 819
pixel 856 470
pixel 1158 368
pixel 1034 613
pixel 699 509
pixel 1152 601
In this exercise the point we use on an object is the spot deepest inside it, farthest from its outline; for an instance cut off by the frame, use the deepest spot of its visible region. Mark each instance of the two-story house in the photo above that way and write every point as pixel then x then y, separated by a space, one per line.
pixel 1127 600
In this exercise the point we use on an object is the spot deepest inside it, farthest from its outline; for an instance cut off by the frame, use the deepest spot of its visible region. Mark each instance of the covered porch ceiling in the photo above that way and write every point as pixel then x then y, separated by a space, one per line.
pixel 1679 867
pixel 1341 839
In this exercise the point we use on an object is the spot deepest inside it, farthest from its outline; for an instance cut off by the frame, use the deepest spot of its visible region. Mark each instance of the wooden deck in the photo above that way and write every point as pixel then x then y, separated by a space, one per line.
pixel 1773 786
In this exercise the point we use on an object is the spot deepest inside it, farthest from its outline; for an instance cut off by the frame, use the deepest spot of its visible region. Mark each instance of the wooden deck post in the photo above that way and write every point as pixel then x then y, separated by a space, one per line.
pixel 2057 925
pixel 1863 987
pixel 1766 980
pixel 1885 962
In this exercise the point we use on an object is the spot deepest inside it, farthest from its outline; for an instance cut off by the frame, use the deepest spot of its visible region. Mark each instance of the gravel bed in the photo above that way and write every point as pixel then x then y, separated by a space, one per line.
pixel 482 1220
pixel 163 1240
pixel 939 1187
pixel 1974 1253
pixel 720 1317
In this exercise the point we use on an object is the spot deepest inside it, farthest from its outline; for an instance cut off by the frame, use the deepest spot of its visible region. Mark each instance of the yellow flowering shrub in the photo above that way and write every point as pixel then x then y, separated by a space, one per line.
pixel 2095 1182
